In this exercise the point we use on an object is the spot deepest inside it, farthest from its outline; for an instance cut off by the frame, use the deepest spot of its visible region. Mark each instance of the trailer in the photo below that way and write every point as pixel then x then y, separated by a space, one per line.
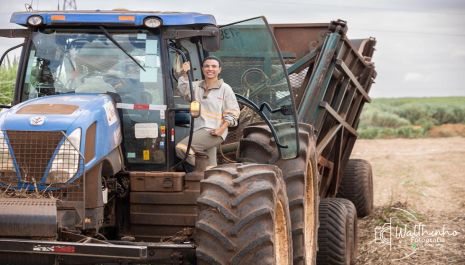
pixel 88 170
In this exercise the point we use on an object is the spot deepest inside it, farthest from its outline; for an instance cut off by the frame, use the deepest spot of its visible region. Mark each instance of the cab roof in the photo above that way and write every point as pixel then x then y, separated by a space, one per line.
pixel 125 18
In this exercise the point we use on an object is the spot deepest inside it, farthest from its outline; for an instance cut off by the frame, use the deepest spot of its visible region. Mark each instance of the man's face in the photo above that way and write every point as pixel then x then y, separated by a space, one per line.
pixel 211 69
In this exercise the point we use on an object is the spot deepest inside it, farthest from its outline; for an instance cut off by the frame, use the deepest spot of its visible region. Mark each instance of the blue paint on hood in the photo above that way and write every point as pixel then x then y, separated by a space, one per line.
pixel 87 104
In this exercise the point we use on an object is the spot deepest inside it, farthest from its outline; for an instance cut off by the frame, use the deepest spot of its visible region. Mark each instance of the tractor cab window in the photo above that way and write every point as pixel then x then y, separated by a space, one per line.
pixel 124 65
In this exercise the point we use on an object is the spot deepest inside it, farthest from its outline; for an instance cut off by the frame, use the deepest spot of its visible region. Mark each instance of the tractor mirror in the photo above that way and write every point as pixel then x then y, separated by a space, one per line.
pixel 211 43
pixel 195 109
pixel 210 36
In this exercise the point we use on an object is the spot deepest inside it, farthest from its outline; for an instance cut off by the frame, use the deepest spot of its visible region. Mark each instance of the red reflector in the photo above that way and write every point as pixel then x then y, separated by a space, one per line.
pixel 64 249
pixel 141 106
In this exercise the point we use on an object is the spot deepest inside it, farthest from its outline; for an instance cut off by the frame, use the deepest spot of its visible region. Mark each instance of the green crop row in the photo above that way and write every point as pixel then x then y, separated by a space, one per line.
pixel 409 117
pixel 7 82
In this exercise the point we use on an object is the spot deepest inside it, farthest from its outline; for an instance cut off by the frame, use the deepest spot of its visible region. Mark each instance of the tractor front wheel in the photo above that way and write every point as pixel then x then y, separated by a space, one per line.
pixel 243 216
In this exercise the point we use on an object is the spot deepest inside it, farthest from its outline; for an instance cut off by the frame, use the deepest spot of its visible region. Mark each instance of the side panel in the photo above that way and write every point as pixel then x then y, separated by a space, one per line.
pixel 332 77
pixel 297 40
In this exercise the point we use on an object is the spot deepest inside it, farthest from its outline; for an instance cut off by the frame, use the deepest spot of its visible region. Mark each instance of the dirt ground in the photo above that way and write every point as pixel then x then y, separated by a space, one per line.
pixel 447 130
pixel 419 186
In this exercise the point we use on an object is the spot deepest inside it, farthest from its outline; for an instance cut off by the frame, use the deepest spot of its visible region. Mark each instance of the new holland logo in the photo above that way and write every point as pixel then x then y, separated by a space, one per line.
pixel 36 121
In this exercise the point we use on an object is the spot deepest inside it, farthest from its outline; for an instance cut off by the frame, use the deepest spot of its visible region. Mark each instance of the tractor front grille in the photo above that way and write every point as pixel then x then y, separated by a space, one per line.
pixel 26 158
pixel 33 152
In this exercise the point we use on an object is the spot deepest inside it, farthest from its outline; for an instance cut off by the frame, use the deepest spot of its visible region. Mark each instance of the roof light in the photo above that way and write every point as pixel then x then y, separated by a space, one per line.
pixel 35 20
pixel 152 22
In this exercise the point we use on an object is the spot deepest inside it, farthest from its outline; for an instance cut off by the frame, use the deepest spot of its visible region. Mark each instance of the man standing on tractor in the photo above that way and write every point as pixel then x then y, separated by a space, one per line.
pixel 219 110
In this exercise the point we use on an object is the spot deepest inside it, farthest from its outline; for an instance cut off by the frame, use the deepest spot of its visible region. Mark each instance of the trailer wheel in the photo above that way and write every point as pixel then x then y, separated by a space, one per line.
pixel 357 186
pixel 333 233
pixel 353 229
pixel 243 216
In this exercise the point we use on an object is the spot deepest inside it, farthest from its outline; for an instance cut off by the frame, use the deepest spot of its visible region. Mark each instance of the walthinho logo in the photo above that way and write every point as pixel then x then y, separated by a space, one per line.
pixel 405 235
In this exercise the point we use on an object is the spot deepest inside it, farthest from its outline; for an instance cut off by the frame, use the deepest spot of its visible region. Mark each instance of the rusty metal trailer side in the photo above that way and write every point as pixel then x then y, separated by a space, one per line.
pixel 331 77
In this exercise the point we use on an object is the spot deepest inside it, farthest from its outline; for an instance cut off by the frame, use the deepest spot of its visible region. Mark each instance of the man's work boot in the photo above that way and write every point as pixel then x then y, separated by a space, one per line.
pixel 201 162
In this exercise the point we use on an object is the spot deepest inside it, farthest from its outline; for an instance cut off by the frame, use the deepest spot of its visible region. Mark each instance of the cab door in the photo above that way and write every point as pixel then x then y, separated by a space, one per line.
pixel 254 68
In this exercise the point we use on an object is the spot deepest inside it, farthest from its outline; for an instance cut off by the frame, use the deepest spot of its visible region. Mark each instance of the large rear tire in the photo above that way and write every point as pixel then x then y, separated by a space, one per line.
pixel 357 186
pixel 243 216
pixel 334 233
pixel 301 178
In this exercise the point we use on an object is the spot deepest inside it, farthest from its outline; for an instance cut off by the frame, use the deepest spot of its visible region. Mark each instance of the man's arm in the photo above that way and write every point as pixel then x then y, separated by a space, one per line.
pixel 230 113
pixel 183 82
pixel 231 107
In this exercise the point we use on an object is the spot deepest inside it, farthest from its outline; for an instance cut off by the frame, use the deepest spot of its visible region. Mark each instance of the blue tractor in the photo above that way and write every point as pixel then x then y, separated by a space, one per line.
pixel 88 170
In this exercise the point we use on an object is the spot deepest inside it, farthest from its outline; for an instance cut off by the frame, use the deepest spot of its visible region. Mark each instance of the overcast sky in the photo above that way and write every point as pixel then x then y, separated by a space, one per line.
pixel 421 43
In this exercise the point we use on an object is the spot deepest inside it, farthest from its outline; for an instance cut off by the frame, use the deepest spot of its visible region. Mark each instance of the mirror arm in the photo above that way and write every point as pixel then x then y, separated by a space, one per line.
pixel 283 109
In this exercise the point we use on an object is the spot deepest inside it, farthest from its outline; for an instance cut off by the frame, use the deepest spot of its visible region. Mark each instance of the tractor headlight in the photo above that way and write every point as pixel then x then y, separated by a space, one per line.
pixel 152 22
pixel 6 161
pixel 66 162
pixel 35 20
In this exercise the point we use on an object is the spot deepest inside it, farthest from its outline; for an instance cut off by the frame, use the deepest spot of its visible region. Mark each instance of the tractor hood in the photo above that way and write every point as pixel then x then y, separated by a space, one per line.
pixel 67 113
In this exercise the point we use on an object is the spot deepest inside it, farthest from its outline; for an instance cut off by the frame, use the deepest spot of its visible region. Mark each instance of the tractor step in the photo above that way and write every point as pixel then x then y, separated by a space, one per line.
pixel 27 217
pixel 165 216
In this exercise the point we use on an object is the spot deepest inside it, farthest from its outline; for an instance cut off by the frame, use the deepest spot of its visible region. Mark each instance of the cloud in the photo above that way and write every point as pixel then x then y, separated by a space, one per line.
pixel 414 77
pixel 457 54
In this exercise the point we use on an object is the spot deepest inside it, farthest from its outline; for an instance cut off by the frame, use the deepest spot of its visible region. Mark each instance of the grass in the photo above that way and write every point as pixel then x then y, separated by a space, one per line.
pixel 409 117
pixel 397 212
pixel 7 81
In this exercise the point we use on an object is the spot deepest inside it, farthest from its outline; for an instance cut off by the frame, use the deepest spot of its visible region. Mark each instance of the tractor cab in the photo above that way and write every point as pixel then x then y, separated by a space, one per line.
pixel 135 58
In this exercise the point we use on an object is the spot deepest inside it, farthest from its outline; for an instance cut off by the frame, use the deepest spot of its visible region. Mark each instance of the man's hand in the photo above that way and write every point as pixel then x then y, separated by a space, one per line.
pixel 186 67
pixel 218 131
